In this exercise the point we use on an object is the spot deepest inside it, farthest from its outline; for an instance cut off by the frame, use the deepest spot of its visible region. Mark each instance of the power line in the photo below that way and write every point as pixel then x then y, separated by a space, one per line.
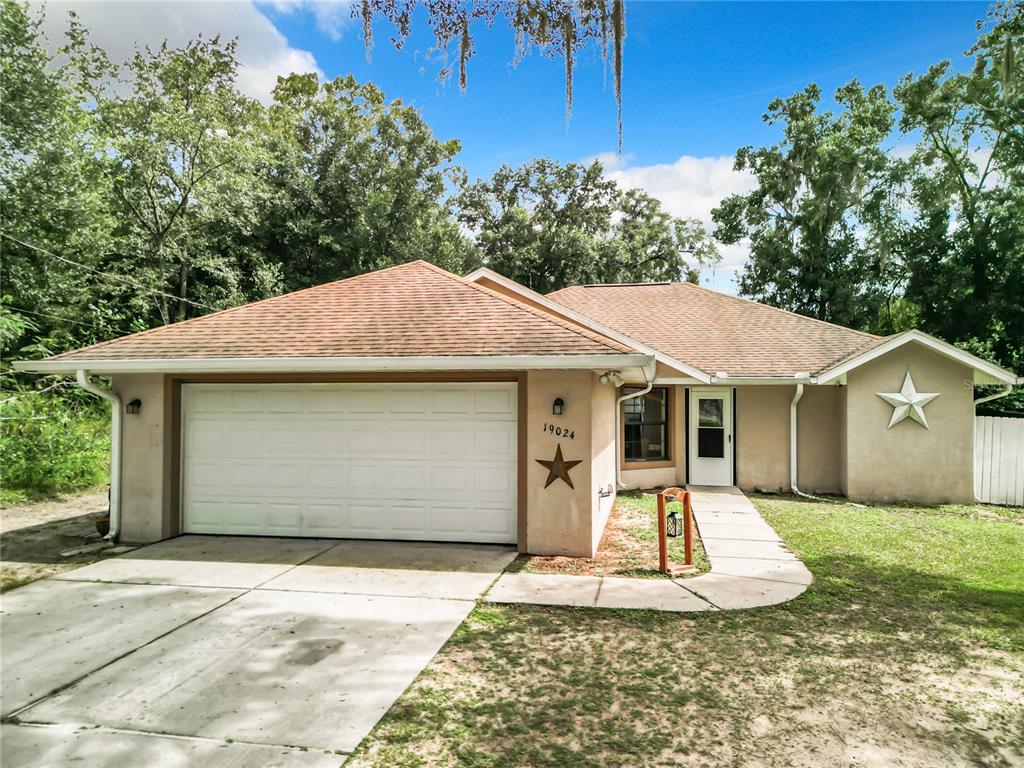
pixel 54 317
pixel 125 280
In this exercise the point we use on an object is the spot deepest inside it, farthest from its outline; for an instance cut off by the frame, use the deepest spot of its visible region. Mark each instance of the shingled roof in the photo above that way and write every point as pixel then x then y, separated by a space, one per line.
pixel 413 309
pixel 716 332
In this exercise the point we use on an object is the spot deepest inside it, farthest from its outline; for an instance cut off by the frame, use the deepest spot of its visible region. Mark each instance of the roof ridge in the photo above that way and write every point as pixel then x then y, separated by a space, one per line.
pixel 227 310
pixel 730 297
pixel 546 316
pixel 785 311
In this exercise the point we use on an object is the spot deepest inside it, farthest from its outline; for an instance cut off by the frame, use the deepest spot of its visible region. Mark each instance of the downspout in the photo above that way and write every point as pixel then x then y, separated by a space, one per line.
pixel 649 384
pixel 996 396
pixel 792 446
pixel 82 377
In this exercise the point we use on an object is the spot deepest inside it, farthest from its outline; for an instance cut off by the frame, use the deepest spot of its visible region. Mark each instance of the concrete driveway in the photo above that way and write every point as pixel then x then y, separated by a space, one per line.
pixel 225 651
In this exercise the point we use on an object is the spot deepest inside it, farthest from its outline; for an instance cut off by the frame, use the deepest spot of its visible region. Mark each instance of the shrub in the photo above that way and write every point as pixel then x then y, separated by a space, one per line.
pixel 52 443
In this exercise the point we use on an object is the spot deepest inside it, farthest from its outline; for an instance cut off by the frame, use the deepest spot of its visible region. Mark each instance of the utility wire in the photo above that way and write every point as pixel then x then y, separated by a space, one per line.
pixel 107 274
pixel 52 316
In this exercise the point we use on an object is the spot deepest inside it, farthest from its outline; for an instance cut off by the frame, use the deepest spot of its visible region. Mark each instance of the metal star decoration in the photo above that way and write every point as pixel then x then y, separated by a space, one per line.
pixel 908 403
pixel 558 468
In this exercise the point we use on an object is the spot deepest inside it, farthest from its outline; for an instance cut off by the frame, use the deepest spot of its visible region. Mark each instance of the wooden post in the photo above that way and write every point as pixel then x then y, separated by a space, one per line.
pixel 675 494
pixel 688 529
pixel 662 535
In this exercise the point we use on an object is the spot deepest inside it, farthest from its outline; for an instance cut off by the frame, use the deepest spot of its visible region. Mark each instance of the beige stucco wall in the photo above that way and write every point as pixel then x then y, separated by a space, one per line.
pixel 762 438
pixel 909 462
pixel 602 442
pixel 142 459
pixel 665 476
pixel 561 520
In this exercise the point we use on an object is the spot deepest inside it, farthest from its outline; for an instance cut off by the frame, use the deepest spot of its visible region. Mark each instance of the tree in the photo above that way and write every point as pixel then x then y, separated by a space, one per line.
pixel 548 225
pixel 356 184
pixel 53 195
pixel 821 219
pixel 184 146
pixel 556 27
pixel 963 244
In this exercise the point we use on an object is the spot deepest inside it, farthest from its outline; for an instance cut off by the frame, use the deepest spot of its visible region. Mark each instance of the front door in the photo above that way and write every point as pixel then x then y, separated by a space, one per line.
pixel 710 436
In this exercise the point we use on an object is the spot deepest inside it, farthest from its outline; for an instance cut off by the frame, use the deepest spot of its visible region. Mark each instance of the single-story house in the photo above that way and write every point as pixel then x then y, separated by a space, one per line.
pixel 412 403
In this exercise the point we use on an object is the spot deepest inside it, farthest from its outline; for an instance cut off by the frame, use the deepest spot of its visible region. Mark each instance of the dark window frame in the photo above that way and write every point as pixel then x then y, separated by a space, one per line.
pixel 650 462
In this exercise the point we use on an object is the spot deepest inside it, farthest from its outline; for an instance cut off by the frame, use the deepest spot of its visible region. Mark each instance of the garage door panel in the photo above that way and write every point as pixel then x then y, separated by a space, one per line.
pixel 366 518
pixel 412 461
pixel 494 401
pixel 326 477
pixel 493 521
pixel 245 401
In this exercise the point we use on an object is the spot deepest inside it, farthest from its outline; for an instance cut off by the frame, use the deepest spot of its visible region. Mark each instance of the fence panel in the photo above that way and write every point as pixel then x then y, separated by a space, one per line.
pixel 999 460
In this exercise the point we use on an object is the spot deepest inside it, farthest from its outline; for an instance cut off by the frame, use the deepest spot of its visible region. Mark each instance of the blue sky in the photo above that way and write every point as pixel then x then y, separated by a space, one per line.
pixel 697 77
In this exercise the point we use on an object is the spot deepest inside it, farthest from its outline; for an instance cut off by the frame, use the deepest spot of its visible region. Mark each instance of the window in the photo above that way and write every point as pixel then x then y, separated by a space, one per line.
pixel 645 425
pixel 710 428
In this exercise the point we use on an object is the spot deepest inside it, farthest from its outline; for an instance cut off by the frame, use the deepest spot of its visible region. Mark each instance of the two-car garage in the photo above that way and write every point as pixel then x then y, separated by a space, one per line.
pixel 430 461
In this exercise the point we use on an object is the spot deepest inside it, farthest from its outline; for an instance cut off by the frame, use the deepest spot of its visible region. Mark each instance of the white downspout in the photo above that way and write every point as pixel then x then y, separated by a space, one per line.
pixel 792 446
pixel 82 377
pixel 649 384
pixel 996 396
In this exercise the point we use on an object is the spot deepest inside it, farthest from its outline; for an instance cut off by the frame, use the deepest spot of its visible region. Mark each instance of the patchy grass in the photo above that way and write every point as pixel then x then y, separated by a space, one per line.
pixel 907 650
pixel 32 536
pixel 628 548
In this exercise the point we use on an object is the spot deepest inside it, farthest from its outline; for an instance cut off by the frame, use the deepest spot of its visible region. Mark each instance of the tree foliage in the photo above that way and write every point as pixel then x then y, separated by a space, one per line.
pixel 962 246
pixel 844 228
pixel 357 184
pixel 828 176
pixel 557 28
pixel 548 225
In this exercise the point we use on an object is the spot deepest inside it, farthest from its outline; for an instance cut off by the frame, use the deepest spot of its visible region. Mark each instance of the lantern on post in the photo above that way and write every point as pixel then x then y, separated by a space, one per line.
pixel 675 525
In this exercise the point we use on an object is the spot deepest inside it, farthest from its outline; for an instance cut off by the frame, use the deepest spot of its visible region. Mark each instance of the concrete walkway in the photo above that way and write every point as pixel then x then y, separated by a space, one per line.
pixel 750 568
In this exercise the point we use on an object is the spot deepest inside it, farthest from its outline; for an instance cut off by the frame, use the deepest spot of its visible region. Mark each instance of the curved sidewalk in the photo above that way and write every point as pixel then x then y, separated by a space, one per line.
pixel 750 568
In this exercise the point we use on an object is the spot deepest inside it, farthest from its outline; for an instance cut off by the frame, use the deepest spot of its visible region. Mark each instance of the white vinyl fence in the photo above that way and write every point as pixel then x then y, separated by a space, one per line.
pixel 999 460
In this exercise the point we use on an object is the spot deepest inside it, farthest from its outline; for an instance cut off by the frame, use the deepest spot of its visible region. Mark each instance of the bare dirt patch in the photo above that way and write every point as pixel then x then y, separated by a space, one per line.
pixel 32 536
pixel 628 548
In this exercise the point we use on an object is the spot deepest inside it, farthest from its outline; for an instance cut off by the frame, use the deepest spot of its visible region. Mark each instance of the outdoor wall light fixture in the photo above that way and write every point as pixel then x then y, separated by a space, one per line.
pixel 558 407
pixel 611 376
pixel 133 406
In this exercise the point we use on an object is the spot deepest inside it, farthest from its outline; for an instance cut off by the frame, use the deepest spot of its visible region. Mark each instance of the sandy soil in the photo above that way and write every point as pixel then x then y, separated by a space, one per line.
pixel 628 547
pixel 32 536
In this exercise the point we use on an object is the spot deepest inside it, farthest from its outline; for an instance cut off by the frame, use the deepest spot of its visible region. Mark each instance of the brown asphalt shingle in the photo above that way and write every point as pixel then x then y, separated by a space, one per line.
pixel 716 332
pixel 412 309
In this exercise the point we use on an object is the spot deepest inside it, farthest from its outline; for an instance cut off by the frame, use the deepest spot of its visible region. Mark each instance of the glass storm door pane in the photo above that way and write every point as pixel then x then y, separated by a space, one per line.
pixel 711 428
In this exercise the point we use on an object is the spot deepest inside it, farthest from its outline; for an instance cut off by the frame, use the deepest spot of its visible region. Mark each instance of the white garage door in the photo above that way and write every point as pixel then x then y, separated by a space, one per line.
pixel 434 462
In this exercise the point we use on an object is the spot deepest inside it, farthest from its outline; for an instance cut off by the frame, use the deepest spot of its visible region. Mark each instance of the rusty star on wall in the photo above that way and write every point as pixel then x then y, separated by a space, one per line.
pixel 558 468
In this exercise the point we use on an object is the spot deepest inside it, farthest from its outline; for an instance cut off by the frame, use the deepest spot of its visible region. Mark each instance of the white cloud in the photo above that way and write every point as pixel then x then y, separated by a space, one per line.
pixel 690 187
pixel 121 27
pixel 332 16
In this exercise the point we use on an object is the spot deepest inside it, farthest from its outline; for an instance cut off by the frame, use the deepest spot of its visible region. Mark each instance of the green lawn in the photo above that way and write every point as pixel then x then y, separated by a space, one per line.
pixel 907 650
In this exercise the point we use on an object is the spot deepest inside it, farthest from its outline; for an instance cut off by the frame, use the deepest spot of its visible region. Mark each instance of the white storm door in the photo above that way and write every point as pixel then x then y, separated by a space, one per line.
pixel 710 436
pixel 420 461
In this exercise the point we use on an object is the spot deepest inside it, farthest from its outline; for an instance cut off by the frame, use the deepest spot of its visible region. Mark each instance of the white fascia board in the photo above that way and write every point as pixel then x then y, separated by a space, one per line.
pixel 984 371
pixel 342 364
pixel 754 380
pixel 586 322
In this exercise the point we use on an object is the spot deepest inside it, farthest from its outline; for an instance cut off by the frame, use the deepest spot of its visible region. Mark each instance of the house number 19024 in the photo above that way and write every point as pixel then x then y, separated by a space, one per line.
pixel 560 431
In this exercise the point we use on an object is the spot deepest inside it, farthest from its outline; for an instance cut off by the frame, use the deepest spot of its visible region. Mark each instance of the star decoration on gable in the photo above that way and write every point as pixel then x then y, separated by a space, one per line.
pixel 558 468
pixel 908 403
